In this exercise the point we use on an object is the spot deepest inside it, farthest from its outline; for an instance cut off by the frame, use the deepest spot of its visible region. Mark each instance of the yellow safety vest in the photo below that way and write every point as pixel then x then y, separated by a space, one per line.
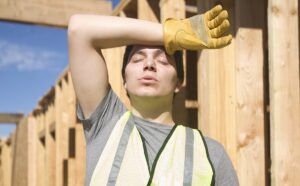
pixel 182 160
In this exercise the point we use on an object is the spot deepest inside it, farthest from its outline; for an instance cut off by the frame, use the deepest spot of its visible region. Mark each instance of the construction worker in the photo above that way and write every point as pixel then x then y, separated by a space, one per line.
pixel 144 146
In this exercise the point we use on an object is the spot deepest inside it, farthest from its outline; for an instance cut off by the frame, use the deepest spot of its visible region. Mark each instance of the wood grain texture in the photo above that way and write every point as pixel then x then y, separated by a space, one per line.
pixel 250 107
pixel 230 94
pixel 217 91
pixel 148 10
pixel 6 163
pixel 284 91
pixel 32 151
pixel 250 54
pixel 172 8
pixel 20 162
pixel 216 96
pixel 61 118
pixel 54 12
pixel 176 9
pixel 50 145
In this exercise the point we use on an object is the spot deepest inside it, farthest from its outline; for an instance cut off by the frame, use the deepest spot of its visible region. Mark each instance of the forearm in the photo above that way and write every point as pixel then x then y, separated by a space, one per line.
pixel 87 35
pixel 109 31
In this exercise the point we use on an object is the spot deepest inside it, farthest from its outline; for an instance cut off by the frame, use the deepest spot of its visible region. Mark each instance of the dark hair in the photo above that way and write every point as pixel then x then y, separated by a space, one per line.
pixel 178 56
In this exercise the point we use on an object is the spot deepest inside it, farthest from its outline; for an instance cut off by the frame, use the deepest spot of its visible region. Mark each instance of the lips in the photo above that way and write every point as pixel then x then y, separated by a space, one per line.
pixel 148 79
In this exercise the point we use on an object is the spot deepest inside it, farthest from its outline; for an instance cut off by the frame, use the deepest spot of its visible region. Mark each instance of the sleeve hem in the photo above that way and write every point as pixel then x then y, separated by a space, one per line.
pixel 95 114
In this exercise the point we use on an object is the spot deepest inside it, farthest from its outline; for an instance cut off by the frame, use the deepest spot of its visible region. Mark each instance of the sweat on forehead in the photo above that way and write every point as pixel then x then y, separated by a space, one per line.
pixel 130 49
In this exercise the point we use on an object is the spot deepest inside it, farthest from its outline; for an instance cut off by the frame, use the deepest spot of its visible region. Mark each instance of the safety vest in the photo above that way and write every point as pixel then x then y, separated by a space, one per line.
pixel 182 159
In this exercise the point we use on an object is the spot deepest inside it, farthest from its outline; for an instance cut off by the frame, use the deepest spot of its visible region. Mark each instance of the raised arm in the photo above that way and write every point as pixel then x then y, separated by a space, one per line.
pixel 87 35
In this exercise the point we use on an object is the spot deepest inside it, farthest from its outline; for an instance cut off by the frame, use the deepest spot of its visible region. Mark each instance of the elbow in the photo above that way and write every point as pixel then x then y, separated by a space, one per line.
pixel 75 26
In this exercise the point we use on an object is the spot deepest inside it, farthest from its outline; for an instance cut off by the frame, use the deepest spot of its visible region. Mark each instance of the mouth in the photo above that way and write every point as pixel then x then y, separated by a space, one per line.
pixel 148 79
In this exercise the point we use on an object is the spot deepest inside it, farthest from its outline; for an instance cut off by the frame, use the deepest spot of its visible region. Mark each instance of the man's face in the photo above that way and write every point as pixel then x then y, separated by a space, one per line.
pixel 150 72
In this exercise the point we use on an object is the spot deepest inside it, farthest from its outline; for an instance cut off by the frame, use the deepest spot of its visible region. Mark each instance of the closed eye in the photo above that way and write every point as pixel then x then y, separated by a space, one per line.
pixel 162 61
pixel 137 58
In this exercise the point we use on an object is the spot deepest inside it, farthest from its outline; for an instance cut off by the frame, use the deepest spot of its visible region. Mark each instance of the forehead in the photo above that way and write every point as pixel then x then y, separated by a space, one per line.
pixel 140 48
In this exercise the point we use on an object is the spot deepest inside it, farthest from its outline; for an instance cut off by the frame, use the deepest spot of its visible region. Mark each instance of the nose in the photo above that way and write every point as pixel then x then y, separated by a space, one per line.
pixel 150 65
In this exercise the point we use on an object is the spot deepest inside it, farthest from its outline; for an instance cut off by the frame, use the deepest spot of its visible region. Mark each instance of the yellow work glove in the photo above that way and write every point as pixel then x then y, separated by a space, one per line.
pixel 197 32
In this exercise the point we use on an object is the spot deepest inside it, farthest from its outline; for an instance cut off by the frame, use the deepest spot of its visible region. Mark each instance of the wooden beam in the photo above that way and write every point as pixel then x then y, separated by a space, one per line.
pixel 20 154
pixel 48 98
pixel 217 89
pixel 284 91
pixel 63 75
pixel 191 9
pixel 10 117
pixel 191 104
pixel 80 155
pixel 52 130
pixel 32 151
pixel 42 136
pixel 64 103
pixel 50 145
pixel 37 110
pixel 250 114
pixel 120 7
pixel 176 9
pixel 126 8
pixel 8 141
pixel 148 10
pixel 6 163
pixel 51 12
pixel 172 8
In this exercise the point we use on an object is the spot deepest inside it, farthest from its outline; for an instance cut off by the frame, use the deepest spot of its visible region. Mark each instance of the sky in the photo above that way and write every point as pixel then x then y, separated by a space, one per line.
pixel 31 59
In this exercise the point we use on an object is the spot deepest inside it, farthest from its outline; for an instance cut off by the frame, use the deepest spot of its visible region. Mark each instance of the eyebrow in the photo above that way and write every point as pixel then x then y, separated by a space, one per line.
pixel 157 52
pixel 139 52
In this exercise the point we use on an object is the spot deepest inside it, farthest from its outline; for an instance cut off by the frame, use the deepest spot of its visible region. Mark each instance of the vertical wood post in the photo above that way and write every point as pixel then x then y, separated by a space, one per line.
pixel 284 91
pixel 230 94
pixel 250 30
pixel 217 89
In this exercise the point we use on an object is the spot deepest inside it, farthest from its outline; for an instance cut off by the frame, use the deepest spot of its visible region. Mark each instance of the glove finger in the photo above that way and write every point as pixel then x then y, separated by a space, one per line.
pixel 212 13
pixel 218 20
pixel 220 42
pixel 220 30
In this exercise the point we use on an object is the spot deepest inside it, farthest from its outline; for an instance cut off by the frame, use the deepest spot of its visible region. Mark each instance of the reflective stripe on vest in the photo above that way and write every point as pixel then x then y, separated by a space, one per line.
pixel 182 159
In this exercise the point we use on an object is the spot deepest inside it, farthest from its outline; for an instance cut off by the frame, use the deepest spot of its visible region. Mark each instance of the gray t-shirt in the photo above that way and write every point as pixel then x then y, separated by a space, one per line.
pixel 99 125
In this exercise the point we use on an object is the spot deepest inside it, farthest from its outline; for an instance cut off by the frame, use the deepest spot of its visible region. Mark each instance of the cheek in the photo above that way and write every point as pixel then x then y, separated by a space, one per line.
pixel 130 72
pixel 171 76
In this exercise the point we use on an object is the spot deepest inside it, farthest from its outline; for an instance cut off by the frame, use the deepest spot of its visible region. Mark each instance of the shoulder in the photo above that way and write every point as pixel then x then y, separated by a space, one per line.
pixel 105 115
pixel 224 171
pixel 215 148
pixel 216 151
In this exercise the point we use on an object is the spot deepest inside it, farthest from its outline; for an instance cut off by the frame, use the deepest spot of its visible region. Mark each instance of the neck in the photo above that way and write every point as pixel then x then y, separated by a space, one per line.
pixel 153 109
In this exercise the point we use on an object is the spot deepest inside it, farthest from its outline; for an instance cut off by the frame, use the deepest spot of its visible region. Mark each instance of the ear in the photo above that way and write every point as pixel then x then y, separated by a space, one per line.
pixel 178 87
pixel 125 86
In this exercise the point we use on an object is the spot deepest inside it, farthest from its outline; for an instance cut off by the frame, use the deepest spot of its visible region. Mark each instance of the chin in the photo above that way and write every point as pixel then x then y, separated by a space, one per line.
pixel 145 94
pixel 148 94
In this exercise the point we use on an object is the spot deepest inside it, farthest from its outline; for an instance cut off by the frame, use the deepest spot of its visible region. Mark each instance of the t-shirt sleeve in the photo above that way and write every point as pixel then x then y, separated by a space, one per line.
pixel 110 107
pixel 225 174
